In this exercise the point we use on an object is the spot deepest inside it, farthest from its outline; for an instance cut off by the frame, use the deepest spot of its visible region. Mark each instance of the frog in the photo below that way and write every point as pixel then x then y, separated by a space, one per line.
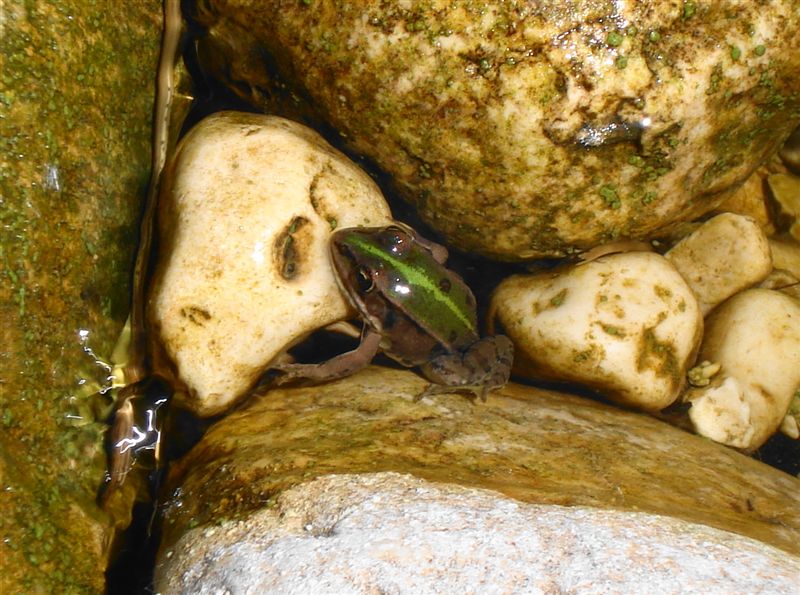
pixel 413 309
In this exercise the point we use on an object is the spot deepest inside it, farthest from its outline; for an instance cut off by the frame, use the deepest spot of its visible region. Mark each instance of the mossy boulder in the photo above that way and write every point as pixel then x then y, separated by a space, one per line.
pixel 521 130
pixel 76 97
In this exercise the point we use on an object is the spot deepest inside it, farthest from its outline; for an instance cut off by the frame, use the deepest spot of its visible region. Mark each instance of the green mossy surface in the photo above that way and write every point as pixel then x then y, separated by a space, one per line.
pixel 76 94
pixel 522 130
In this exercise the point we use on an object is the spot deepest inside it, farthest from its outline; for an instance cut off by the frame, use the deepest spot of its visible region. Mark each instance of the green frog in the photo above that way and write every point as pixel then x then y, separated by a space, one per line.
pixel 413 308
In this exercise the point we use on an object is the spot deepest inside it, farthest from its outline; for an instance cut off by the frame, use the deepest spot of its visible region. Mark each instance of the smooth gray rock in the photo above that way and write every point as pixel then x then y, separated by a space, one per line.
pixel 392 533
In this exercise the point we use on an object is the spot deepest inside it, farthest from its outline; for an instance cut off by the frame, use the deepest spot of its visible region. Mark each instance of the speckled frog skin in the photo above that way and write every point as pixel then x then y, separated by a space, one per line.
pixel 415 309
pixel 528 129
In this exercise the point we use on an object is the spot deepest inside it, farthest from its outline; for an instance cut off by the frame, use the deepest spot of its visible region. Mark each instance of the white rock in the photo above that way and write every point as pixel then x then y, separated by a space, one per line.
pixel 389 533
pixel 755 336
pixel 626 324
pixel 245 214
pixel 723 256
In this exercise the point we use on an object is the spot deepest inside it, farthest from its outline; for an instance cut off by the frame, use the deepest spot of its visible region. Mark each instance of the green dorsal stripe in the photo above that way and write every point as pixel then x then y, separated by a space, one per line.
pixel 416 279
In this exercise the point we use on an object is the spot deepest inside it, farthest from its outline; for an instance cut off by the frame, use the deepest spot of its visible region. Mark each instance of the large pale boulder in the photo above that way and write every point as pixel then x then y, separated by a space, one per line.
pixel 245 213
pixel 522 130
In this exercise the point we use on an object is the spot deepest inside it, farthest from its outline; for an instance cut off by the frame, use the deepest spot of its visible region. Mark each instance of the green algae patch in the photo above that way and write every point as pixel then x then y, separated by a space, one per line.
pixel 76 97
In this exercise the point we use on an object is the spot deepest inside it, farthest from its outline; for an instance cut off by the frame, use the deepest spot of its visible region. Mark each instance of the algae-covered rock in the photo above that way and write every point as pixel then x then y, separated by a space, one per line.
pixel 528 129
pixel 626 325
pixel 392 533
pixel 75 109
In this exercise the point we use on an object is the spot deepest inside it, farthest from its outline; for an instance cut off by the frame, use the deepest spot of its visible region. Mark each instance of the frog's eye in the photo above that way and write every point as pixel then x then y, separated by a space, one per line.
pixel 391 236
pixel 364 280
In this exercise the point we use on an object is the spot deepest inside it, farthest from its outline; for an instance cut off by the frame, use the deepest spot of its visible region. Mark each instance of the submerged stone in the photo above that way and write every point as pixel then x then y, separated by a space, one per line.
pixel 525 445
pixel 390 533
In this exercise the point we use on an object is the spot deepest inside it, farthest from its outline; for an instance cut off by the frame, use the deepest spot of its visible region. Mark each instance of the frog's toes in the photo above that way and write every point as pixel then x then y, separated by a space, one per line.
pixel 284 374
pixel 483 366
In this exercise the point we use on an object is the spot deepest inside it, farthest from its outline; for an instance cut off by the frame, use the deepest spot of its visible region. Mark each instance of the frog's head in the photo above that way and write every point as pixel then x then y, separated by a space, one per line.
pixel 384 271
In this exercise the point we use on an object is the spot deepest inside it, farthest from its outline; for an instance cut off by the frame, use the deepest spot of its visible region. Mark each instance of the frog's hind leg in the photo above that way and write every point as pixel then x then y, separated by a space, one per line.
pixel 482 367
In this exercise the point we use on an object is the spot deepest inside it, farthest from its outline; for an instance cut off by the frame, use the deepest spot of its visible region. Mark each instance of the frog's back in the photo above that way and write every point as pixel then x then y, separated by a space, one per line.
pixel 414 284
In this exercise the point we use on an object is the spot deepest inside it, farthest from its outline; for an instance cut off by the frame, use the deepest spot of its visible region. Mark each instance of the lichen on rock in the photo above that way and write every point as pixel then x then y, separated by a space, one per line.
pixel 525 130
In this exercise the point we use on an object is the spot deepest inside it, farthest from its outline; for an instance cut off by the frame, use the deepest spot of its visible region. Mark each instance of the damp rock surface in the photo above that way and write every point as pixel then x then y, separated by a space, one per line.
pixel 526 130
pixel 76 100
pixel 530 445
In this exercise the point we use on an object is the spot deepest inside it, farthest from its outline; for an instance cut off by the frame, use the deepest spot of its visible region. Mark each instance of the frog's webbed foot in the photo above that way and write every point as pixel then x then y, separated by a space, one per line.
pixel 135 429
pixel 482 367
pixel 336 367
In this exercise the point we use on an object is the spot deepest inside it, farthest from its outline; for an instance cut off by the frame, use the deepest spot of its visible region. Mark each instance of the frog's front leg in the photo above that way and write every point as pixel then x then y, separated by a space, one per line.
pixel 480 368
pixel 336 367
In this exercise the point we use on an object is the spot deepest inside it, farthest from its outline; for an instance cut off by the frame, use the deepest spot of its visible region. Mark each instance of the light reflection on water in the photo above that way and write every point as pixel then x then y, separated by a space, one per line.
pixel 91 401
pixel 51 179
